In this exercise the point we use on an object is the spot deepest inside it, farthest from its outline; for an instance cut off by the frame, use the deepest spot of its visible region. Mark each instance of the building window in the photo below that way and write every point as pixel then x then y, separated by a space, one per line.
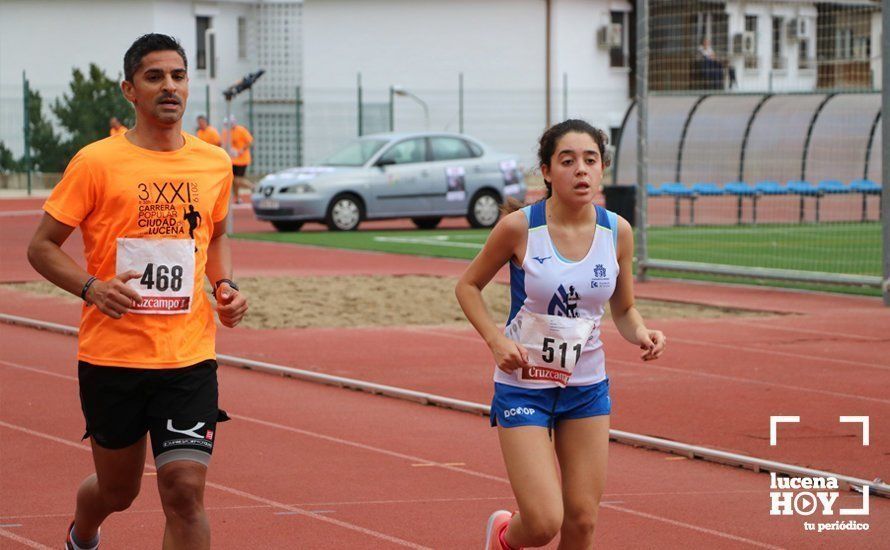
pixel 778 58
pixel 242 38
pixel 202 25
pixel 618 55
pixel 803 54
pixel 751 26
pixel 843 43
pixel 862 48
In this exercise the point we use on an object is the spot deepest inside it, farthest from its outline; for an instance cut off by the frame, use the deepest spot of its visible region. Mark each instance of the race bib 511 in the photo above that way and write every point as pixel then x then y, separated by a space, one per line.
pixel 553 344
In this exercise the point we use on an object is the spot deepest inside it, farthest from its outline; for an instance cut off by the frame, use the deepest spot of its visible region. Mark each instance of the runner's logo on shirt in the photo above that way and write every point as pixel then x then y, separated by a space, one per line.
pixel 159 208
pixel 564 304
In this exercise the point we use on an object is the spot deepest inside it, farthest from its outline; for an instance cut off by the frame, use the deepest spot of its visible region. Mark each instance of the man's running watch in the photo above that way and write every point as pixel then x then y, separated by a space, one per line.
pixel 229 282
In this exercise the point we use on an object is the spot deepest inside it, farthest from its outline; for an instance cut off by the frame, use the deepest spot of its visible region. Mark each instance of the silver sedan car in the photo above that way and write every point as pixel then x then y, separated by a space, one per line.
pixel 422 176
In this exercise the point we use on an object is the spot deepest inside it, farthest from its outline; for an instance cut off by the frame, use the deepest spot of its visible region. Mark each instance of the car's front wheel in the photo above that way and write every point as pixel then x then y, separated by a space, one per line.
pixel 287 225
pixel 484 209
pixel 344 213
pixel 426 223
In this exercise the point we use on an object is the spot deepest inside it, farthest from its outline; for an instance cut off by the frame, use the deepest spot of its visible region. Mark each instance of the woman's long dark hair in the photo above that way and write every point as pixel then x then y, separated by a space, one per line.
pixel 547 146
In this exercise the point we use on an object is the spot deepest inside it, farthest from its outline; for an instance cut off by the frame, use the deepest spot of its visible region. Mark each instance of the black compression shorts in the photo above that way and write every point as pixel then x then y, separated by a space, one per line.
pixel 178 407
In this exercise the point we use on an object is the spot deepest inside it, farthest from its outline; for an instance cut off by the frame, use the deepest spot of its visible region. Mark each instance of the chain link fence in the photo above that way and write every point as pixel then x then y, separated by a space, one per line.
pixel 755 141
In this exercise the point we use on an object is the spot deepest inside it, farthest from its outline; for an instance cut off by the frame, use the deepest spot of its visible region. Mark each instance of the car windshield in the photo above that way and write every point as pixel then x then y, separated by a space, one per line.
pixel 356 153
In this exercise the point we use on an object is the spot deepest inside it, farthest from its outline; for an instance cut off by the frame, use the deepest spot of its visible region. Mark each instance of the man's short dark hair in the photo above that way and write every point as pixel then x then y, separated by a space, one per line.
pixel 146 44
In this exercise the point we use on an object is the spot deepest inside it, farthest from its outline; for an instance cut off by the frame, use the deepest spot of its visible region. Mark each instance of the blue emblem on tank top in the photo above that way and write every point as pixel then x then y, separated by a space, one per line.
pixel 564 304
pixel 542 260
pixel 600 278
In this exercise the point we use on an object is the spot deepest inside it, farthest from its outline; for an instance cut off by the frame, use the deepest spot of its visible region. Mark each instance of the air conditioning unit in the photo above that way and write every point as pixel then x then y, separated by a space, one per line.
pixel 797 28
pixel 744 43
pixel 610 36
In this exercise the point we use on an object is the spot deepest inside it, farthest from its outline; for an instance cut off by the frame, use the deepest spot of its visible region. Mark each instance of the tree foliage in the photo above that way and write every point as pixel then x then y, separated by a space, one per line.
pixel 83 115
pixel 92 101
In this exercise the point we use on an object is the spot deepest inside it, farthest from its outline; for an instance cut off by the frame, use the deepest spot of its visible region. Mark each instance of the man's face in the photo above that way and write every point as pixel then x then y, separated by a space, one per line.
pixel 114 122
pixel 160 88
pixel 202 123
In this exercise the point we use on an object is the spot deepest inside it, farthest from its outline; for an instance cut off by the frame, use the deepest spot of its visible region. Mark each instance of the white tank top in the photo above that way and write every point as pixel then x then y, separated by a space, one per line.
pixel 547 285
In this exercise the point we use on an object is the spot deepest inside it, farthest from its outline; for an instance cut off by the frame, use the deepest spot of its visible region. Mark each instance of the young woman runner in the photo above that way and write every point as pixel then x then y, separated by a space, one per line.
pixel 551 403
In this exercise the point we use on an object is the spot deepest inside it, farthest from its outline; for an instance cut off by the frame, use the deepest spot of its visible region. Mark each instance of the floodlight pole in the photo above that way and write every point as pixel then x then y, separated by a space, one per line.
pixel 885 151
pixel 245 84
pixel 642 100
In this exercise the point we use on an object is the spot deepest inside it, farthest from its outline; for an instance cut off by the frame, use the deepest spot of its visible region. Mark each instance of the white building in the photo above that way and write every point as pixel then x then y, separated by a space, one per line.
pixel 499 46
pixel 523 63
pixel 223 40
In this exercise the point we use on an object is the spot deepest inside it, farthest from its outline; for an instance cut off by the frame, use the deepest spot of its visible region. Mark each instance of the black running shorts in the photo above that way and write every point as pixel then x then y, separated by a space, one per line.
pixel 239 170
pixel 178 407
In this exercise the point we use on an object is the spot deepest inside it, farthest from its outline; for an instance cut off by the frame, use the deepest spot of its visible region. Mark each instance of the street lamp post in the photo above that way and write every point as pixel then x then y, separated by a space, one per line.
pixel 401 91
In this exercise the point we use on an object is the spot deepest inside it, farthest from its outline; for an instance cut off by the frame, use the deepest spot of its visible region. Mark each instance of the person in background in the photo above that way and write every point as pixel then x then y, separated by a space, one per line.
pixel 207 133
pixel 712 68
pixel 239 149
pixel 115 127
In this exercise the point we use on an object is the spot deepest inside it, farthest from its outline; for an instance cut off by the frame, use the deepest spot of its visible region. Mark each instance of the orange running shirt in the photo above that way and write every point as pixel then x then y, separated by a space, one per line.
pixel 117 131
pixel 241 138
pixel 209 135
pixel 115 190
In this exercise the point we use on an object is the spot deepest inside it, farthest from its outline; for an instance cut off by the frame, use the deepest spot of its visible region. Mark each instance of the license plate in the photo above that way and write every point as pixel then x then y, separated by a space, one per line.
pixel 268 204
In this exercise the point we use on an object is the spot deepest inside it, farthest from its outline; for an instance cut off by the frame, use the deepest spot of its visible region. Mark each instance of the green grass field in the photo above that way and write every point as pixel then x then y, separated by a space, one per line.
pixel 828 247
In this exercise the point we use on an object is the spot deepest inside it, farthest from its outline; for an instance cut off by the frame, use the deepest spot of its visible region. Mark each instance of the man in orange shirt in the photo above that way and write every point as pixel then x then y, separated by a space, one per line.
pixel 239 150
pixel 115 127
pixel 152 206
pixel 207 133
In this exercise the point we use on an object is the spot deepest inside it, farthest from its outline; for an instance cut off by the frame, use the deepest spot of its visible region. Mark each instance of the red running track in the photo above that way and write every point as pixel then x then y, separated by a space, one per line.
pixel 307 466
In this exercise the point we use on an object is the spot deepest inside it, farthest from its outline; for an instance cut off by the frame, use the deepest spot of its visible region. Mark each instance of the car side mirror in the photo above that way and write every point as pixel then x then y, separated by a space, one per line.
pixel 383 163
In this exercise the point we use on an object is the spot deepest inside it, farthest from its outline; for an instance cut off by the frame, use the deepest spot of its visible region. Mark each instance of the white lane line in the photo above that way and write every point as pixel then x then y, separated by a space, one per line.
pixel 689 372
pixel 801 330
pixel 775 352
pixel 427 241
pixel 713 532
pixel 275 504
pixel 243 494
pixel 22 540
pixel 20 213
pixel 350 443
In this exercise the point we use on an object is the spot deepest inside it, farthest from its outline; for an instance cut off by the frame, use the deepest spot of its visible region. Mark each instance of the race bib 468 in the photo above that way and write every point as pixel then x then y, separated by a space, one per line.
pixel 167 273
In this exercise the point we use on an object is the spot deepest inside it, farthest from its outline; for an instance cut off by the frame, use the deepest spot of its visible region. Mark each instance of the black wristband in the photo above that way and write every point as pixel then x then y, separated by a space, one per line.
pixel 86 287
pixel 229 282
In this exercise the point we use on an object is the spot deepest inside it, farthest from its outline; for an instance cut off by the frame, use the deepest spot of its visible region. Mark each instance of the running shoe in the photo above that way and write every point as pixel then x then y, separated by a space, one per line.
pixel 69 544
pixel 497 522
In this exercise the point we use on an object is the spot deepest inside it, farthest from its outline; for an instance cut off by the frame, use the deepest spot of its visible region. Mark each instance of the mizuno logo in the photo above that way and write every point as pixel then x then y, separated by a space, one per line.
pixel 541 260
pixel 189 432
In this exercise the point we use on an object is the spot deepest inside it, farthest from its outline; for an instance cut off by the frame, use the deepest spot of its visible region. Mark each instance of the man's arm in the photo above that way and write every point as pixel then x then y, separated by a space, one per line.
pixel 232 305
pixel 112 297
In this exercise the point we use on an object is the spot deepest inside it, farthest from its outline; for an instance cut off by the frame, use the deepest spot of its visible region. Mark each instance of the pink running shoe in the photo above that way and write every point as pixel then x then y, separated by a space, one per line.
pixel 497 522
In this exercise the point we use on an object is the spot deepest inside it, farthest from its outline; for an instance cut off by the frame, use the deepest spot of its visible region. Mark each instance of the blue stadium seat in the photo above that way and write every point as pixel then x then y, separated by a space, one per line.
pixel 676 189
pixel 805 189
pixel 770 188
pixel 708 189
pixel 739 188
pixel 833 187
pixel 653 191
pixel 865 187
pixel 742 190
pixel 802 188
